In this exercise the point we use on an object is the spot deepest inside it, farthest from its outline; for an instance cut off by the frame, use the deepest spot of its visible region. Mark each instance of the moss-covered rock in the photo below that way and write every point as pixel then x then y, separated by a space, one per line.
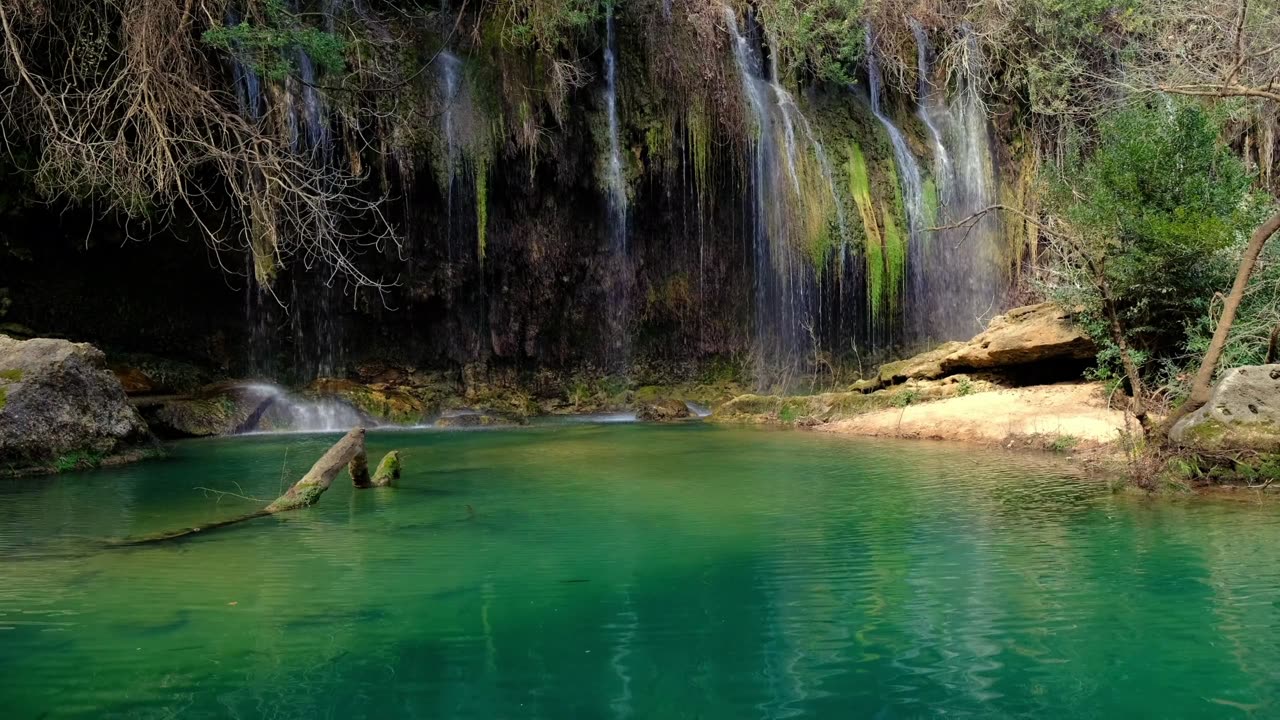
pixel 61 409
pixel 1242 414
pixel 388 471
pixel 394 404
pixel 475 419
pixel 215 410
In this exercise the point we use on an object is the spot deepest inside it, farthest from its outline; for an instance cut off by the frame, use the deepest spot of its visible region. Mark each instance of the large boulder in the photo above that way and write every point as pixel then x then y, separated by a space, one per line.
pixel 1242 413
pixel 1035 334
pixel 214 410
pixel 61 409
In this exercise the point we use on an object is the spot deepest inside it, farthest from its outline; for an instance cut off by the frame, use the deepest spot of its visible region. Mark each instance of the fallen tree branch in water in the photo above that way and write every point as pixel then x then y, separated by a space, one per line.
pixel 348 452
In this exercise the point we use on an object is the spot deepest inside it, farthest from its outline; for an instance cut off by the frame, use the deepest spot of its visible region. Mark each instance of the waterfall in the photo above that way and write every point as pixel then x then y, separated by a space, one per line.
pixel 784 279
pixel 285 412
pixel 619 275
pixel 450 84
pixel 311 120
pixel 962 265
pixel 910 180
pixel 617 185
pixel 768 311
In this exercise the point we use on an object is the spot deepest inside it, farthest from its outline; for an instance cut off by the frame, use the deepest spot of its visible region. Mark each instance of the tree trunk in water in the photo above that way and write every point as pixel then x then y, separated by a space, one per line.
pixel 304 493
pixel 1203 383
pixel 308 490
pixel 388 470
pixel 359 469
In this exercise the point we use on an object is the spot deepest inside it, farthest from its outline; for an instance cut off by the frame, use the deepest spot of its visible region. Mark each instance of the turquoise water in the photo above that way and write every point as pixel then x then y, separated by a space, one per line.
pixel 634 572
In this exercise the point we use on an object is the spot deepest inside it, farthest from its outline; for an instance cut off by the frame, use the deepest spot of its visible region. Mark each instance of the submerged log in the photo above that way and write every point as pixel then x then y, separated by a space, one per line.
pixel 388 471
pixel 359 470
pixel 304 493
pixel 308 490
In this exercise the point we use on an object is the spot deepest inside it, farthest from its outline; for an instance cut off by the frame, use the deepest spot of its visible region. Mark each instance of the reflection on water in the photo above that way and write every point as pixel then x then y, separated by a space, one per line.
pixel 634 571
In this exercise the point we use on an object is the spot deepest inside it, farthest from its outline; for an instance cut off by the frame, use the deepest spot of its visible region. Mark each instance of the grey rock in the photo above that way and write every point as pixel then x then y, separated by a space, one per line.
pixel 663 411
pixel 1242 413
pixel 62 408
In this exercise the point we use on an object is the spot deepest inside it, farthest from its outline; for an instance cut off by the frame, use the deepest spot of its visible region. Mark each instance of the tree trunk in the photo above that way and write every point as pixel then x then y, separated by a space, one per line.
pixel 304 493
pixel 1138 403
pixel 1203 383
pixel 359 469
pixel 308 490
pixel 388 471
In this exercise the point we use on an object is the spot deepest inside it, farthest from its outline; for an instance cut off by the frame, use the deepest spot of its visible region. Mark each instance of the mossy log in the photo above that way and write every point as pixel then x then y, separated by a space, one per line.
pixel 348 452
pixel 308 490
pixel 388 471
pixel 359 471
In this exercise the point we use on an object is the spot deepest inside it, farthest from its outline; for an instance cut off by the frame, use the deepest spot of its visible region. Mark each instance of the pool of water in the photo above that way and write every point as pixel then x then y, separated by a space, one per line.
pixel 634 572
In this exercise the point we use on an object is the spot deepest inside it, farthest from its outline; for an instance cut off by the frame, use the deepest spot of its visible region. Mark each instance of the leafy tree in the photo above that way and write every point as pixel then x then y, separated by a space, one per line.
pixel 1151 219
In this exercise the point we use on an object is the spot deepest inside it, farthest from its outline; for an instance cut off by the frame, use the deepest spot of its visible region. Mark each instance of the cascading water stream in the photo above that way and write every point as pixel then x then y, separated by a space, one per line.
pixel 773 306
pixel 909 178
pixel 450 83
pixel 617 185
pixel 784 280
pixel 928 102
pixel 618 283
pixel 964 282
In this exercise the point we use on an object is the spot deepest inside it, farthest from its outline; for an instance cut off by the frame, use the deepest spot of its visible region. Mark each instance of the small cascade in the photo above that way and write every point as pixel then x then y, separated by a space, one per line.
pixel 964 283
pixel 310 112
pixel 283 411
pixel 310 315
pixel 909 179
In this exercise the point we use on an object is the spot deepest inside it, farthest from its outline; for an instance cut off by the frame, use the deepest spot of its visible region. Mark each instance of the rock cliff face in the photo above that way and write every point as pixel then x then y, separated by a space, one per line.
pixel 1243 413
pixel 61 408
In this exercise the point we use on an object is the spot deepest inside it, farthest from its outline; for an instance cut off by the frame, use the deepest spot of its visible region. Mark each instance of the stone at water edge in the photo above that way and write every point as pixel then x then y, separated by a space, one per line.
pixel 61 408
pixel 1242 413
pixel 663 411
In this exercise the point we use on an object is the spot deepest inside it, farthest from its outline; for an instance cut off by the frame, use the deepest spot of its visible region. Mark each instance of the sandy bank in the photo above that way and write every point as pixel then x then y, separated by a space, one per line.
pixel 1075 412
